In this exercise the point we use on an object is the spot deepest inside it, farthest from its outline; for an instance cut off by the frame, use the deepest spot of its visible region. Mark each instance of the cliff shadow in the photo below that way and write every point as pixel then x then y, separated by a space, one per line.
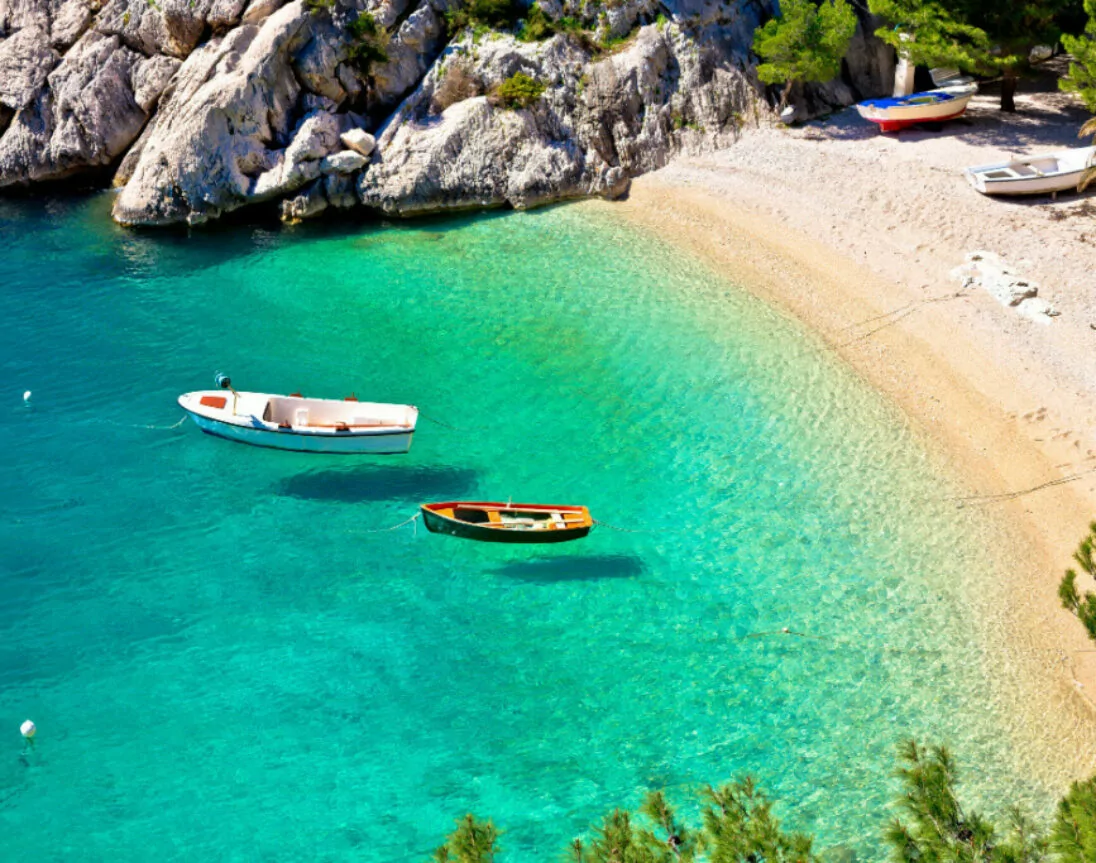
pixel 587 567
pixel 373 483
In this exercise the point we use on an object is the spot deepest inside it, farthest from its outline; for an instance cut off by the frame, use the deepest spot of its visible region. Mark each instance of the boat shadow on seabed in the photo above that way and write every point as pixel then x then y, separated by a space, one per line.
pixel 372 483
pixel 585 567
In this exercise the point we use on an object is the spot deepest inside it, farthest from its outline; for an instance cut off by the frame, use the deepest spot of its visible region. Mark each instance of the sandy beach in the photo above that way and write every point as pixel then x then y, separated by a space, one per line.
pixel 856 234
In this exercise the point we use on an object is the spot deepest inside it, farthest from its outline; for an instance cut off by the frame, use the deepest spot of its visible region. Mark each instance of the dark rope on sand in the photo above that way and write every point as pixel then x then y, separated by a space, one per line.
pixel 895 316
pixel 1012 495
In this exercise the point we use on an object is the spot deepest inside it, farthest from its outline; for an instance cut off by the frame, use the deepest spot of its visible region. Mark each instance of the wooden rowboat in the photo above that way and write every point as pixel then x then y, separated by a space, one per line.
pixel 1044 174
pixel 302 424
pixel 932 106
pixel 488 521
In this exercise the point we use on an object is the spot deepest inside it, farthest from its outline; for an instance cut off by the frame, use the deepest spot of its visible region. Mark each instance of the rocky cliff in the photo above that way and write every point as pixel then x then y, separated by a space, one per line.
pixel 199 107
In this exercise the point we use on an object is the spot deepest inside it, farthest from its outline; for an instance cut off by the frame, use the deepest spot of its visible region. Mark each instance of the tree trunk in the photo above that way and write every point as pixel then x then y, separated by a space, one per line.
pixel 784 95
pixel 1008 90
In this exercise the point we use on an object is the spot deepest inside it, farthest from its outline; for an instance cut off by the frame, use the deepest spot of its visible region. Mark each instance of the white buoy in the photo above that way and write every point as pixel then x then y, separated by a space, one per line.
pixel 26 397
pixel 28 729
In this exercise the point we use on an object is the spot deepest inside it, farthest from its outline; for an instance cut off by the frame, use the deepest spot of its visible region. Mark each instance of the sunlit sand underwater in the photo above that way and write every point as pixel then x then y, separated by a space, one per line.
pixel 228 658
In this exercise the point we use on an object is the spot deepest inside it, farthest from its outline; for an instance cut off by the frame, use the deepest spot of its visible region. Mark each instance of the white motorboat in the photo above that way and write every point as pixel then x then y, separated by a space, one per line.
pixel 294 422
pixel 1044 174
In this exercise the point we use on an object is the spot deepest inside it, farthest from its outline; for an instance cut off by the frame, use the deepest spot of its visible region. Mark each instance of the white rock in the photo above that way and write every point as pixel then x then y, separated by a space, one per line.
pixel 344 162
pixel 85 116
pixel 359 140
pixel 217 132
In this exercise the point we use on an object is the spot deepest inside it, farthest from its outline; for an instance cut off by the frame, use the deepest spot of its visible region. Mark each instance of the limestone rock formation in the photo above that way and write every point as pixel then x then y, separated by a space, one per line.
pixel 199 107
pixel 598 122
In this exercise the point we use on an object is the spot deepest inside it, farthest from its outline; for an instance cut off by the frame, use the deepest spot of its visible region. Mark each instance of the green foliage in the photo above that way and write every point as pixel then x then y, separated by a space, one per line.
pixel 473 841
pixel 491 14
pixel 804 43
pixel 519 91
pixel 938 828
pixel 619 840
pixel 1073 836
pixel 368 42
pixel 315 6
pixel 929 34
pixel 661 22
pixel 739 826
pixel 984 36
pixel 1081 78
pixel 1014 27
pixel 1082 604
pixel 537 26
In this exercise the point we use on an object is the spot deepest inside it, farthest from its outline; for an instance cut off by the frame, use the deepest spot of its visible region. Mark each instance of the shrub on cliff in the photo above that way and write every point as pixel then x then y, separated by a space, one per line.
pixel 518 91
pixel 493 14
pixel 804 43
pixel 536 25
pixel 368 42
pixel 458 84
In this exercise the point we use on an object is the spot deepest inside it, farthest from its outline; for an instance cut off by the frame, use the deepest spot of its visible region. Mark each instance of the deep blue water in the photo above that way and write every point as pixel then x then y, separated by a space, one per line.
pixel 225 663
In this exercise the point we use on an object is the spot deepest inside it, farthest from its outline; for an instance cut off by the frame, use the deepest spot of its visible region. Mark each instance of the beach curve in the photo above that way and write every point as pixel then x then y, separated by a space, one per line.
pixel 857 235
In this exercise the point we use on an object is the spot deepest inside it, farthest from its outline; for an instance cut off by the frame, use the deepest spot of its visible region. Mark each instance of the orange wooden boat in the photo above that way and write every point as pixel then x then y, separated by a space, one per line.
pixel 488 521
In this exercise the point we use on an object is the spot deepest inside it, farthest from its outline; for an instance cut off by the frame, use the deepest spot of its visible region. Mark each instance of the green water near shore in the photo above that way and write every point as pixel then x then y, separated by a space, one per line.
pixel 225 664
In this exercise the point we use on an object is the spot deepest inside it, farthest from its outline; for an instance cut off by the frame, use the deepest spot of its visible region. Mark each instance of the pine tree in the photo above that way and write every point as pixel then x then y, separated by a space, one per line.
pixel 739 827
pixel 1081 78
pixel 1073 836
pixel 473 841
pixel 1082 604
pixel 983 36
pixel 940 830
pixel 928 34
pixel 1014 28
pixel 804 43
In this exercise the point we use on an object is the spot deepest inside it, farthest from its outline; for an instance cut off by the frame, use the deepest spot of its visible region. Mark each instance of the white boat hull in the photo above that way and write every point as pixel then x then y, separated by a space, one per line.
pixel 241 419
pixel 1035 175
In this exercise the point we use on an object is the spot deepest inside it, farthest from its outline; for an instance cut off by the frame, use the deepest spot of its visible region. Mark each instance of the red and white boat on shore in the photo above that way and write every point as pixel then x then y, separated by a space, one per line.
pixel 932 106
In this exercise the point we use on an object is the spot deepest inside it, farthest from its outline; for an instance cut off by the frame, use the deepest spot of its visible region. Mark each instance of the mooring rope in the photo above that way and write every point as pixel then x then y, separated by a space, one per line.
pixel 403 523
pixel 154 428
pixel 600 523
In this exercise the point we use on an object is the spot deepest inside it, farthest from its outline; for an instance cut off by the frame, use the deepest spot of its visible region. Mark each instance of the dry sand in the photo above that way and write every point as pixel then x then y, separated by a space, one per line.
pixel 855 234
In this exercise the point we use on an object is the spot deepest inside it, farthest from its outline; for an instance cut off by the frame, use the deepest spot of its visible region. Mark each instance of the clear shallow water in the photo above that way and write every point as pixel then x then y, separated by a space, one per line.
pixel 225 665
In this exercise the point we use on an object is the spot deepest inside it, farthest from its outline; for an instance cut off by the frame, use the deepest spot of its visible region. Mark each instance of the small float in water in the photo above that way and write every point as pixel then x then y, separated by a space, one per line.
pixel 488 521
pixel 302 424
pixel 1047 173
pixel 931 106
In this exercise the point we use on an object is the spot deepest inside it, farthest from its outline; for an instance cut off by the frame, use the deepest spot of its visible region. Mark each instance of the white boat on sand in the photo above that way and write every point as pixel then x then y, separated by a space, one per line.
pixel 1044 174
pixel 303 424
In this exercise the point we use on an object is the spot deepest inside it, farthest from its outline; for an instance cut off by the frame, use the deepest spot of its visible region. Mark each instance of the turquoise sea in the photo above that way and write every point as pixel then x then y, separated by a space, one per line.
pixel 227 661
